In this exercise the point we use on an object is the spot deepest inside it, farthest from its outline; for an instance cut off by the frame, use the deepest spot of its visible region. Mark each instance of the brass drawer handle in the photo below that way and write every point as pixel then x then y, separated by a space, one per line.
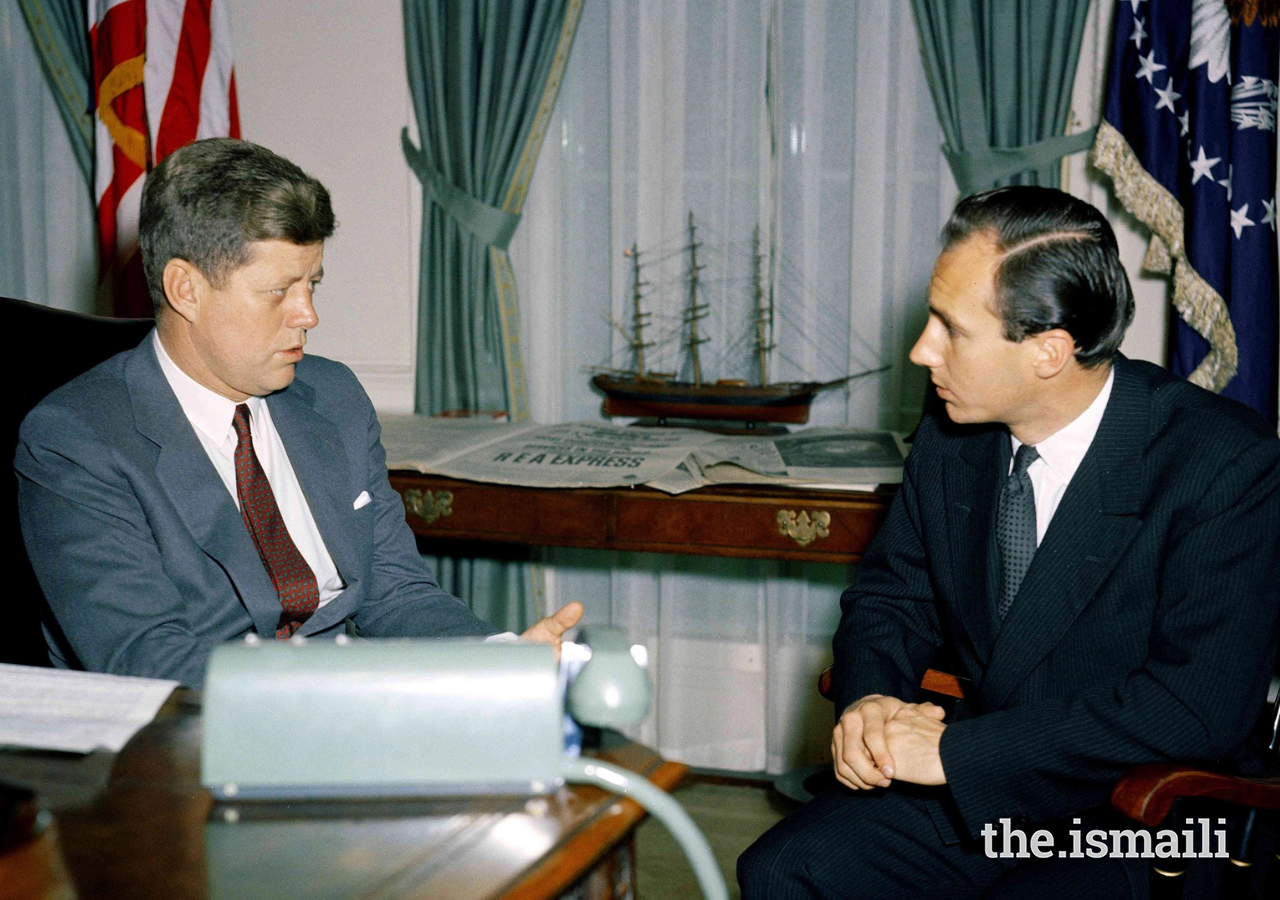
pixel 428 506
pixel 802 528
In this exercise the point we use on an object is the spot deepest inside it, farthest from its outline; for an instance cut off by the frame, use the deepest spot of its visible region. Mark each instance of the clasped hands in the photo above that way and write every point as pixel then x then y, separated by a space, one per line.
pixel 882 739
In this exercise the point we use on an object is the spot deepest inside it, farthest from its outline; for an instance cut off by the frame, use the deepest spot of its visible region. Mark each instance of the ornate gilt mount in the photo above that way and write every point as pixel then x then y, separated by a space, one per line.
pixel 428 506
pixel 803 528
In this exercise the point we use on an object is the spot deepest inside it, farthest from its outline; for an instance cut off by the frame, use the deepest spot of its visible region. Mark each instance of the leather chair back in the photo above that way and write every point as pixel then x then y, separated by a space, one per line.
pixel 47 348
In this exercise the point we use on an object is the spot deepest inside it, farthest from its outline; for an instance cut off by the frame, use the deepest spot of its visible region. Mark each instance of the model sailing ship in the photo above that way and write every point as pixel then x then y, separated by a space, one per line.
pixel 660 395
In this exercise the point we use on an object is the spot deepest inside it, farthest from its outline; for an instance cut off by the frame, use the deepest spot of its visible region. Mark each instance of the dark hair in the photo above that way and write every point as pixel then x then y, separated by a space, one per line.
pixel 1060 267
pixel 207 201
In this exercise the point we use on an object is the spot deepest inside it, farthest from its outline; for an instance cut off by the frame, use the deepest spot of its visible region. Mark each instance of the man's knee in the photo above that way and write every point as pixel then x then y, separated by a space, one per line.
pixel 756 865
pixel 775 865
pixel 875 845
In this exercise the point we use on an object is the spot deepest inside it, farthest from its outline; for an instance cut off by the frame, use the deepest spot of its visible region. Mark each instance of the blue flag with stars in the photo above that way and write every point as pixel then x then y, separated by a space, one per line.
pixel 1191 99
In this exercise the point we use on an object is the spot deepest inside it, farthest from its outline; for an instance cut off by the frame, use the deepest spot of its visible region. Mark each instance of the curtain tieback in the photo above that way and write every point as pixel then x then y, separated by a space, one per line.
pixel 489 224
pixel 979 168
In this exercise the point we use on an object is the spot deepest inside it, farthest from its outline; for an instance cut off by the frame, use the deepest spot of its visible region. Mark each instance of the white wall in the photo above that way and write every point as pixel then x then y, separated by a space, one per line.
pixel 323 83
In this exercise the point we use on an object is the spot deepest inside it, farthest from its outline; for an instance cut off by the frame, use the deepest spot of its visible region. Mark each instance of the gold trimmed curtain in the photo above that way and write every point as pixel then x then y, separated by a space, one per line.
pixel 484 76
pixel 60 34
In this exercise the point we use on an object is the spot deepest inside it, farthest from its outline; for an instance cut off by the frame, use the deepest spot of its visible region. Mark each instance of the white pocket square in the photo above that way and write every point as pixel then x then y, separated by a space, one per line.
pixel 363 500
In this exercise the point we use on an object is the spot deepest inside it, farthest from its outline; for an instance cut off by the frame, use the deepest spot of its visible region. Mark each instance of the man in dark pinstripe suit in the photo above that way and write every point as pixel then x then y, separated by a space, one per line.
pixel 1095 541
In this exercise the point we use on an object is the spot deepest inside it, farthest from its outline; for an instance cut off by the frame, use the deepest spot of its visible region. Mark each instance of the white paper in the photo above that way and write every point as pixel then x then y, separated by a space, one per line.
pixel 760 455
pixel 674 460
pixel 683 478
pixel 423 443
pixel 57 709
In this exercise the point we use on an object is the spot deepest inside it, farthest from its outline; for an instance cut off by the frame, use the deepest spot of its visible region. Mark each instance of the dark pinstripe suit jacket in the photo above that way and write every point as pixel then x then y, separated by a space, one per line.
pixel 1145 629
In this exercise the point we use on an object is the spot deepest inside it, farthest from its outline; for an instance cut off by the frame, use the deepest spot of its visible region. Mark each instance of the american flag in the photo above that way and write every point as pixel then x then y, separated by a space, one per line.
pixel 163 77
pixel 1189 140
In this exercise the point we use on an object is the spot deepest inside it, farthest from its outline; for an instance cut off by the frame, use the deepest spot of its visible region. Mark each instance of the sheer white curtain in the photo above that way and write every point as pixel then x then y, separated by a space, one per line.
pixel 47 250
pixel 662 112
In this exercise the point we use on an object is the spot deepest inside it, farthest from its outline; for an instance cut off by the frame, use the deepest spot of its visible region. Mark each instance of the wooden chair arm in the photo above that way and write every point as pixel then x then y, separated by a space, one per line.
pixel 934 681
pixel 1146 793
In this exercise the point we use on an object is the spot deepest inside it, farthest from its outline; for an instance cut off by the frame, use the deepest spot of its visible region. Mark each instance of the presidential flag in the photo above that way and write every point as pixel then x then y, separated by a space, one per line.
pixel 162 78
pixel 1189 140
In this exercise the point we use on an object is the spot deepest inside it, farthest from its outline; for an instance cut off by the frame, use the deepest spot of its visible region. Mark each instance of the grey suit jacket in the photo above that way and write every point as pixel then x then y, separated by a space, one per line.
pixel 1145 629
pixel 142 553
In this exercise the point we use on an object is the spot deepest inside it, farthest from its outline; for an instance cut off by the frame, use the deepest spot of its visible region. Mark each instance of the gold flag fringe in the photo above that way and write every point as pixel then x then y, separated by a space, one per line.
pixel 1199 305
pixel 1247 11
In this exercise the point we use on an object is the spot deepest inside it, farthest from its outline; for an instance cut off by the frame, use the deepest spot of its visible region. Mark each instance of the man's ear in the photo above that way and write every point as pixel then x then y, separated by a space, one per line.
pixel 184 287
pixel 1055 348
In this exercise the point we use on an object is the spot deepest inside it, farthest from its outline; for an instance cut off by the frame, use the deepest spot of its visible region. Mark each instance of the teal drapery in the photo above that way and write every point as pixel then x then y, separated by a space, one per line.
pixel 60 33
pixel 484 76
pixel 1001 73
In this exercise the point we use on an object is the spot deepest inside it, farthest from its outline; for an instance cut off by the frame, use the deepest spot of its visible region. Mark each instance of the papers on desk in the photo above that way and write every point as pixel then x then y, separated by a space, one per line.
pixel 574 455
pixel 56 709
pixel 674 460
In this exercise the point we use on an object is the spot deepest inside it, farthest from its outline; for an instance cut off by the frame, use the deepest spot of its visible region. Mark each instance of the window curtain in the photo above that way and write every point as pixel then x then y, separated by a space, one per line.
pixel 1001 73
pixel 811 120
pixel 47 241
pixel 484 77
pixel 60 35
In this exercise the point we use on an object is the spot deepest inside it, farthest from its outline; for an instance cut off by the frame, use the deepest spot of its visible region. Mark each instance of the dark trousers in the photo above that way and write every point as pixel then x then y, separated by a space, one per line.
pixel 884 844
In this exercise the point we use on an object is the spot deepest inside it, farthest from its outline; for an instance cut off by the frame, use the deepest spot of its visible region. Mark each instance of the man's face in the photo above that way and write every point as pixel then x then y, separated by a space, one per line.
pixel 249 333
pixel 979 374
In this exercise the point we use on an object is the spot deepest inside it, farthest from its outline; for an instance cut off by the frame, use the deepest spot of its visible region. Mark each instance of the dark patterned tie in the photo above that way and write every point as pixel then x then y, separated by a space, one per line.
pixel 1016 526
pixel 293 579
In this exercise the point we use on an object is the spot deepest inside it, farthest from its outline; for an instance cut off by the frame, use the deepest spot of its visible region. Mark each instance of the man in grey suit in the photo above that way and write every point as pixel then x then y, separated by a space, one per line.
pixel 215 482
pixel 1095 542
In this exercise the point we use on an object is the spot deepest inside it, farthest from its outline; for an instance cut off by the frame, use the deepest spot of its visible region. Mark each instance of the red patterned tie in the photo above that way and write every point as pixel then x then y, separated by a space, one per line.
pixel 292 577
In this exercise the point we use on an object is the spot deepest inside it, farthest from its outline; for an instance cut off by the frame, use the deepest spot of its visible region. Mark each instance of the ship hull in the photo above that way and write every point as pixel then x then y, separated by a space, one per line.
pixel 786 403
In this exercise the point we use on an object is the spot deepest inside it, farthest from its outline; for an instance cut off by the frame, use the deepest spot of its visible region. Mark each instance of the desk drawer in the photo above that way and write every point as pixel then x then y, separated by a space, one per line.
pixel 824 528
pixel 493 512
pixel 820 526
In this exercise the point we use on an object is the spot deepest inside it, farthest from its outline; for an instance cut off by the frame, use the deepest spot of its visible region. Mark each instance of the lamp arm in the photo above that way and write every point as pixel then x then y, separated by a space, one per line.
pixel 662 807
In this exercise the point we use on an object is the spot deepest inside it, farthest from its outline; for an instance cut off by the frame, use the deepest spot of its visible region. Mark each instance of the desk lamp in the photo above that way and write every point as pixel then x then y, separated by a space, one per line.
pixel 405 718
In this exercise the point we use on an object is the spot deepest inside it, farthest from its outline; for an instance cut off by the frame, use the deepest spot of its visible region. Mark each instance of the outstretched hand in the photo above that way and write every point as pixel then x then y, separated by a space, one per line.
pixel 551 629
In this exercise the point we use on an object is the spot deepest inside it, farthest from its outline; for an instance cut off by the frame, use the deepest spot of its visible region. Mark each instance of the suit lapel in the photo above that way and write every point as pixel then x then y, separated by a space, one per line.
pixel 970 479
pixel 1090 531
pixel 319 460
pixel 195 489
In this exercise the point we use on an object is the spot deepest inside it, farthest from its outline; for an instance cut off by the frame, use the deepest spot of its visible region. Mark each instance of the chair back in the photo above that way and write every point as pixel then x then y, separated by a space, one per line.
pixel 49 347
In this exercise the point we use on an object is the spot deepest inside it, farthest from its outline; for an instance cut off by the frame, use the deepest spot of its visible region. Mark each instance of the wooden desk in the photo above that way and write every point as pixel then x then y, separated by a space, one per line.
pixel 719 521
pixel 154 832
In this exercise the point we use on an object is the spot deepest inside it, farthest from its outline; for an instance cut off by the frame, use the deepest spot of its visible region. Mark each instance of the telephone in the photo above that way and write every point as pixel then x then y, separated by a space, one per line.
pixel 401 718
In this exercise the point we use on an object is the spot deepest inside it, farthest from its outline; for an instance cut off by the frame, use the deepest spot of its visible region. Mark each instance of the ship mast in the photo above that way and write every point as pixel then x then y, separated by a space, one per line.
pixel 695 311
pixel 764 313
pixel 639 318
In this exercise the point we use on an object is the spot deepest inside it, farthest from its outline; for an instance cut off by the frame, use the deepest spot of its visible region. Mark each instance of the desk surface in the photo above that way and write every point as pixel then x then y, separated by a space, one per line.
pixel 154 832
pixel 763 522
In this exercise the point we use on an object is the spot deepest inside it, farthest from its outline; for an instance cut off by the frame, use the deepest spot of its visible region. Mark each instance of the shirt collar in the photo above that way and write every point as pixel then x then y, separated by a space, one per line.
pixel 1064 450
pixel 208 411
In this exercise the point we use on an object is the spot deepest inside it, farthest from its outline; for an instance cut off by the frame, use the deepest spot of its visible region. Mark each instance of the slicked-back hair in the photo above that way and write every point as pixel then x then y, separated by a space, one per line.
pixel 1059 266
pixel 206 202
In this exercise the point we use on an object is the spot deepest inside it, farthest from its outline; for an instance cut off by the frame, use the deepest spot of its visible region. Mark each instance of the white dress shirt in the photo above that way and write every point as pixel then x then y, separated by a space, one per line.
pixel 1060 455
pixel 211 415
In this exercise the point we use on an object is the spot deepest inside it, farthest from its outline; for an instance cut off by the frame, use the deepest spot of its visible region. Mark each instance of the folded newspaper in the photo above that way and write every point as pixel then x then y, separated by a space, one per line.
pixel 675 460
